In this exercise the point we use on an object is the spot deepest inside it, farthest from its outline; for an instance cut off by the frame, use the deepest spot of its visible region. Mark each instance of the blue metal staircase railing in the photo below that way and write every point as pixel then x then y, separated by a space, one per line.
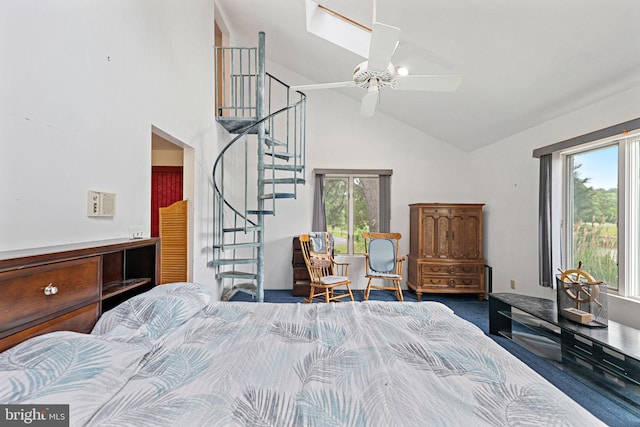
pixel 263 163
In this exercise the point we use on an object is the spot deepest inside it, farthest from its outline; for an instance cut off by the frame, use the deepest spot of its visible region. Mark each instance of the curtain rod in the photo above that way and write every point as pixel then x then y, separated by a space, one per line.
pixel 353 171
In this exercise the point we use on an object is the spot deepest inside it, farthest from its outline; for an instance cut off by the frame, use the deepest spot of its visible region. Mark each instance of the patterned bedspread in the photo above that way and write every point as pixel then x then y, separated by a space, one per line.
pixel 173 357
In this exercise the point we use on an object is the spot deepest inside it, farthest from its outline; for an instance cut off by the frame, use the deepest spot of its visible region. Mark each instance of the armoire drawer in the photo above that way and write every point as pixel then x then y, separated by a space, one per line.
pixel 453 282
pixel 37 292
pixel 452 269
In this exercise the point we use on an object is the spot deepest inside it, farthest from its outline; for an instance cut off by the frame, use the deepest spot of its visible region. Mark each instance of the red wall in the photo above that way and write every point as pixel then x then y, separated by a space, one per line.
pixel 166 189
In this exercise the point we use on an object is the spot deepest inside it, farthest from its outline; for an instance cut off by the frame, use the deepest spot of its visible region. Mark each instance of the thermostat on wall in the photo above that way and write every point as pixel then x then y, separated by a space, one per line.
pixel 101 204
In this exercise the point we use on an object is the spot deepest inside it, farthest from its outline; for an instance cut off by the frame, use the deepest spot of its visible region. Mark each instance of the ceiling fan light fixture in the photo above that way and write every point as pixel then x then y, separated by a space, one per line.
pixel 402 70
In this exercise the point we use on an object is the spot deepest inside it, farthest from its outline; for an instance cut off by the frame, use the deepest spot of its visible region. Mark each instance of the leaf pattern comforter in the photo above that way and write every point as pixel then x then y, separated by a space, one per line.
pixel 173 357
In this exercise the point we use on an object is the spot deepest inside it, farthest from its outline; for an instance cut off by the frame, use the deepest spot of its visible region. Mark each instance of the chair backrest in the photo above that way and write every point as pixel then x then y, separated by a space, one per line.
pixel 382 250
pixel 320 242
pixel 316 249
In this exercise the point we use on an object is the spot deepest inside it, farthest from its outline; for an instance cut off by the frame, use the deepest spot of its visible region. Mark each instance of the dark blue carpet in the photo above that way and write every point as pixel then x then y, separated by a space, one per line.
pixel 477 312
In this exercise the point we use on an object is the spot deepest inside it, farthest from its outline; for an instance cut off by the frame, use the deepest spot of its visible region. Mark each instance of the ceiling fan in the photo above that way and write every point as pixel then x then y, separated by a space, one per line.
pixel 378 72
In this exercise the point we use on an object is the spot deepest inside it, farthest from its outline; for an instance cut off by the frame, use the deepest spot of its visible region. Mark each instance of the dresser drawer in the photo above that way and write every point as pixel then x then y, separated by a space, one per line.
pixel 22 291
pixel 81 320
pixel 297 260
pixel 457 282
pixel 300 273
pixel 451 269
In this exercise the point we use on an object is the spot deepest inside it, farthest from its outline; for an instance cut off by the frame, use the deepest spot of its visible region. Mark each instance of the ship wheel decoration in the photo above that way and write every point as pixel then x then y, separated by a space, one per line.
pixel 577 284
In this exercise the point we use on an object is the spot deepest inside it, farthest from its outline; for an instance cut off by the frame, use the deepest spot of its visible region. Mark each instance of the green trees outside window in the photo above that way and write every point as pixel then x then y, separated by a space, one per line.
pixel 594 213
pixel 352 206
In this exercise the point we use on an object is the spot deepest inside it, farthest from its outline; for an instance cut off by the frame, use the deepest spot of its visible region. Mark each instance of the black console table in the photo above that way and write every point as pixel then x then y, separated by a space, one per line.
pixel 607 359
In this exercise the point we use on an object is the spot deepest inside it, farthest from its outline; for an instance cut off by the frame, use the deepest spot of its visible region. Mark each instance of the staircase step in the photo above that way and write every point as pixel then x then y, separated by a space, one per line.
pixel 236 275
pixel 247 288
pixel 282 155
pixel 232 246
pixel 295 180
pixel 278 196
pixel 271 141
pixel 290 168
pixel 228 294
pixel 232 261
pixel 237 125
pixel 257 212
pixel 250 229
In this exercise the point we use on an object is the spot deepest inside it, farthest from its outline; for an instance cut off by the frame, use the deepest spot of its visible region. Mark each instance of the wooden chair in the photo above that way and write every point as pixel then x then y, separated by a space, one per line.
pixel 382 262
pixel 325 273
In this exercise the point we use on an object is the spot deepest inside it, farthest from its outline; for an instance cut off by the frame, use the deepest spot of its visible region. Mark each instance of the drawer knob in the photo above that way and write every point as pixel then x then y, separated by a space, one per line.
pixel 50 289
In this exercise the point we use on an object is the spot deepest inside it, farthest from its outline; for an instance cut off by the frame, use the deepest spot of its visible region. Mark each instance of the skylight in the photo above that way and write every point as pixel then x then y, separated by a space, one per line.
pixel 338 29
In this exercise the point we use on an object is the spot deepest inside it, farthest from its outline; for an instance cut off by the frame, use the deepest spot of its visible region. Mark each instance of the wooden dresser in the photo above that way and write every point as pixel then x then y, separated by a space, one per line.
pixel 68 287
pixel 445 245
pixel 301 280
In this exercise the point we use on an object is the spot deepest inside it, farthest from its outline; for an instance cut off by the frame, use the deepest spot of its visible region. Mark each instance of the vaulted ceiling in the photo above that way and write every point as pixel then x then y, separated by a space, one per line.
pixel 523 62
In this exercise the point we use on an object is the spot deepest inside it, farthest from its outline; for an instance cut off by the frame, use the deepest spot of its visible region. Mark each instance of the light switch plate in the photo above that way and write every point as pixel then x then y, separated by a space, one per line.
pixel 101 204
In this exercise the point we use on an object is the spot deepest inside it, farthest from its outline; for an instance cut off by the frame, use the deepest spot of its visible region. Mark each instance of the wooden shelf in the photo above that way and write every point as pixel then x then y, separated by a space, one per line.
pixel 114 288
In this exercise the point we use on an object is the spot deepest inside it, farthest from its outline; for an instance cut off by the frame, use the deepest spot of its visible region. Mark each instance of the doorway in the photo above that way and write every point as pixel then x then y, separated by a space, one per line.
pixel 170 180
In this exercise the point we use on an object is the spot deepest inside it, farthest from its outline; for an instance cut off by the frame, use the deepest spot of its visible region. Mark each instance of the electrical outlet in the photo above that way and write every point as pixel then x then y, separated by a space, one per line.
pixel 513 284
pixel 136 232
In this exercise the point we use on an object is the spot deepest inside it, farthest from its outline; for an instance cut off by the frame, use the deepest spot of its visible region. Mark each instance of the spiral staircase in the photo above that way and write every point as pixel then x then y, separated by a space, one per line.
pixel 262 163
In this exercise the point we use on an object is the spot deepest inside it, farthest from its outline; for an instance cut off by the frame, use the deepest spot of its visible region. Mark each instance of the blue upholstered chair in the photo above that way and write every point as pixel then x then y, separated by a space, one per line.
pixel 383 263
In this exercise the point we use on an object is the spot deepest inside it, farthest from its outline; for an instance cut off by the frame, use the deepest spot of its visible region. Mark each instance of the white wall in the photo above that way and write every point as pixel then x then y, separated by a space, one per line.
pixel 509 185
pixel 82 84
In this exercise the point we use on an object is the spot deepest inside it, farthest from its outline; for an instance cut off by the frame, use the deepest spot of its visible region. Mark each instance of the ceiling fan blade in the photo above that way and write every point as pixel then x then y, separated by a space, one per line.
pixel 350 83
pixel 435 83
pixel 384 39
pixel 369 101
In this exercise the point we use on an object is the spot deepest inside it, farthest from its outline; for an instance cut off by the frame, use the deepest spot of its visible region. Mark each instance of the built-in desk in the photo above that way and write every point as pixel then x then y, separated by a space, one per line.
pixel 608 359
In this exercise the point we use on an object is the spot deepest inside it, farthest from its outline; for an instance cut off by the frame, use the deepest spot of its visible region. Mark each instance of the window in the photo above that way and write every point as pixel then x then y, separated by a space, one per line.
pixel 354 201
pixel 592 212
pixel 601 211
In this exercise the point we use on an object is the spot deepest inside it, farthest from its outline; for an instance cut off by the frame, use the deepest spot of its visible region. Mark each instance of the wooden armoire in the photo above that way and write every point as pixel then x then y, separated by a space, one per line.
pixel 445 245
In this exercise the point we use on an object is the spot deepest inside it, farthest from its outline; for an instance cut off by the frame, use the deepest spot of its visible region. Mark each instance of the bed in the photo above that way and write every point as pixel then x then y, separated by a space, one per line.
pixel 173 356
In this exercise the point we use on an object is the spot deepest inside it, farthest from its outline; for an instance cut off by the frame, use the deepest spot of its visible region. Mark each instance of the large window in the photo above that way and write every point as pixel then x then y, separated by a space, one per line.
pixel 353 201
pixel 601 211
pixel 592 212
pixel 352 207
